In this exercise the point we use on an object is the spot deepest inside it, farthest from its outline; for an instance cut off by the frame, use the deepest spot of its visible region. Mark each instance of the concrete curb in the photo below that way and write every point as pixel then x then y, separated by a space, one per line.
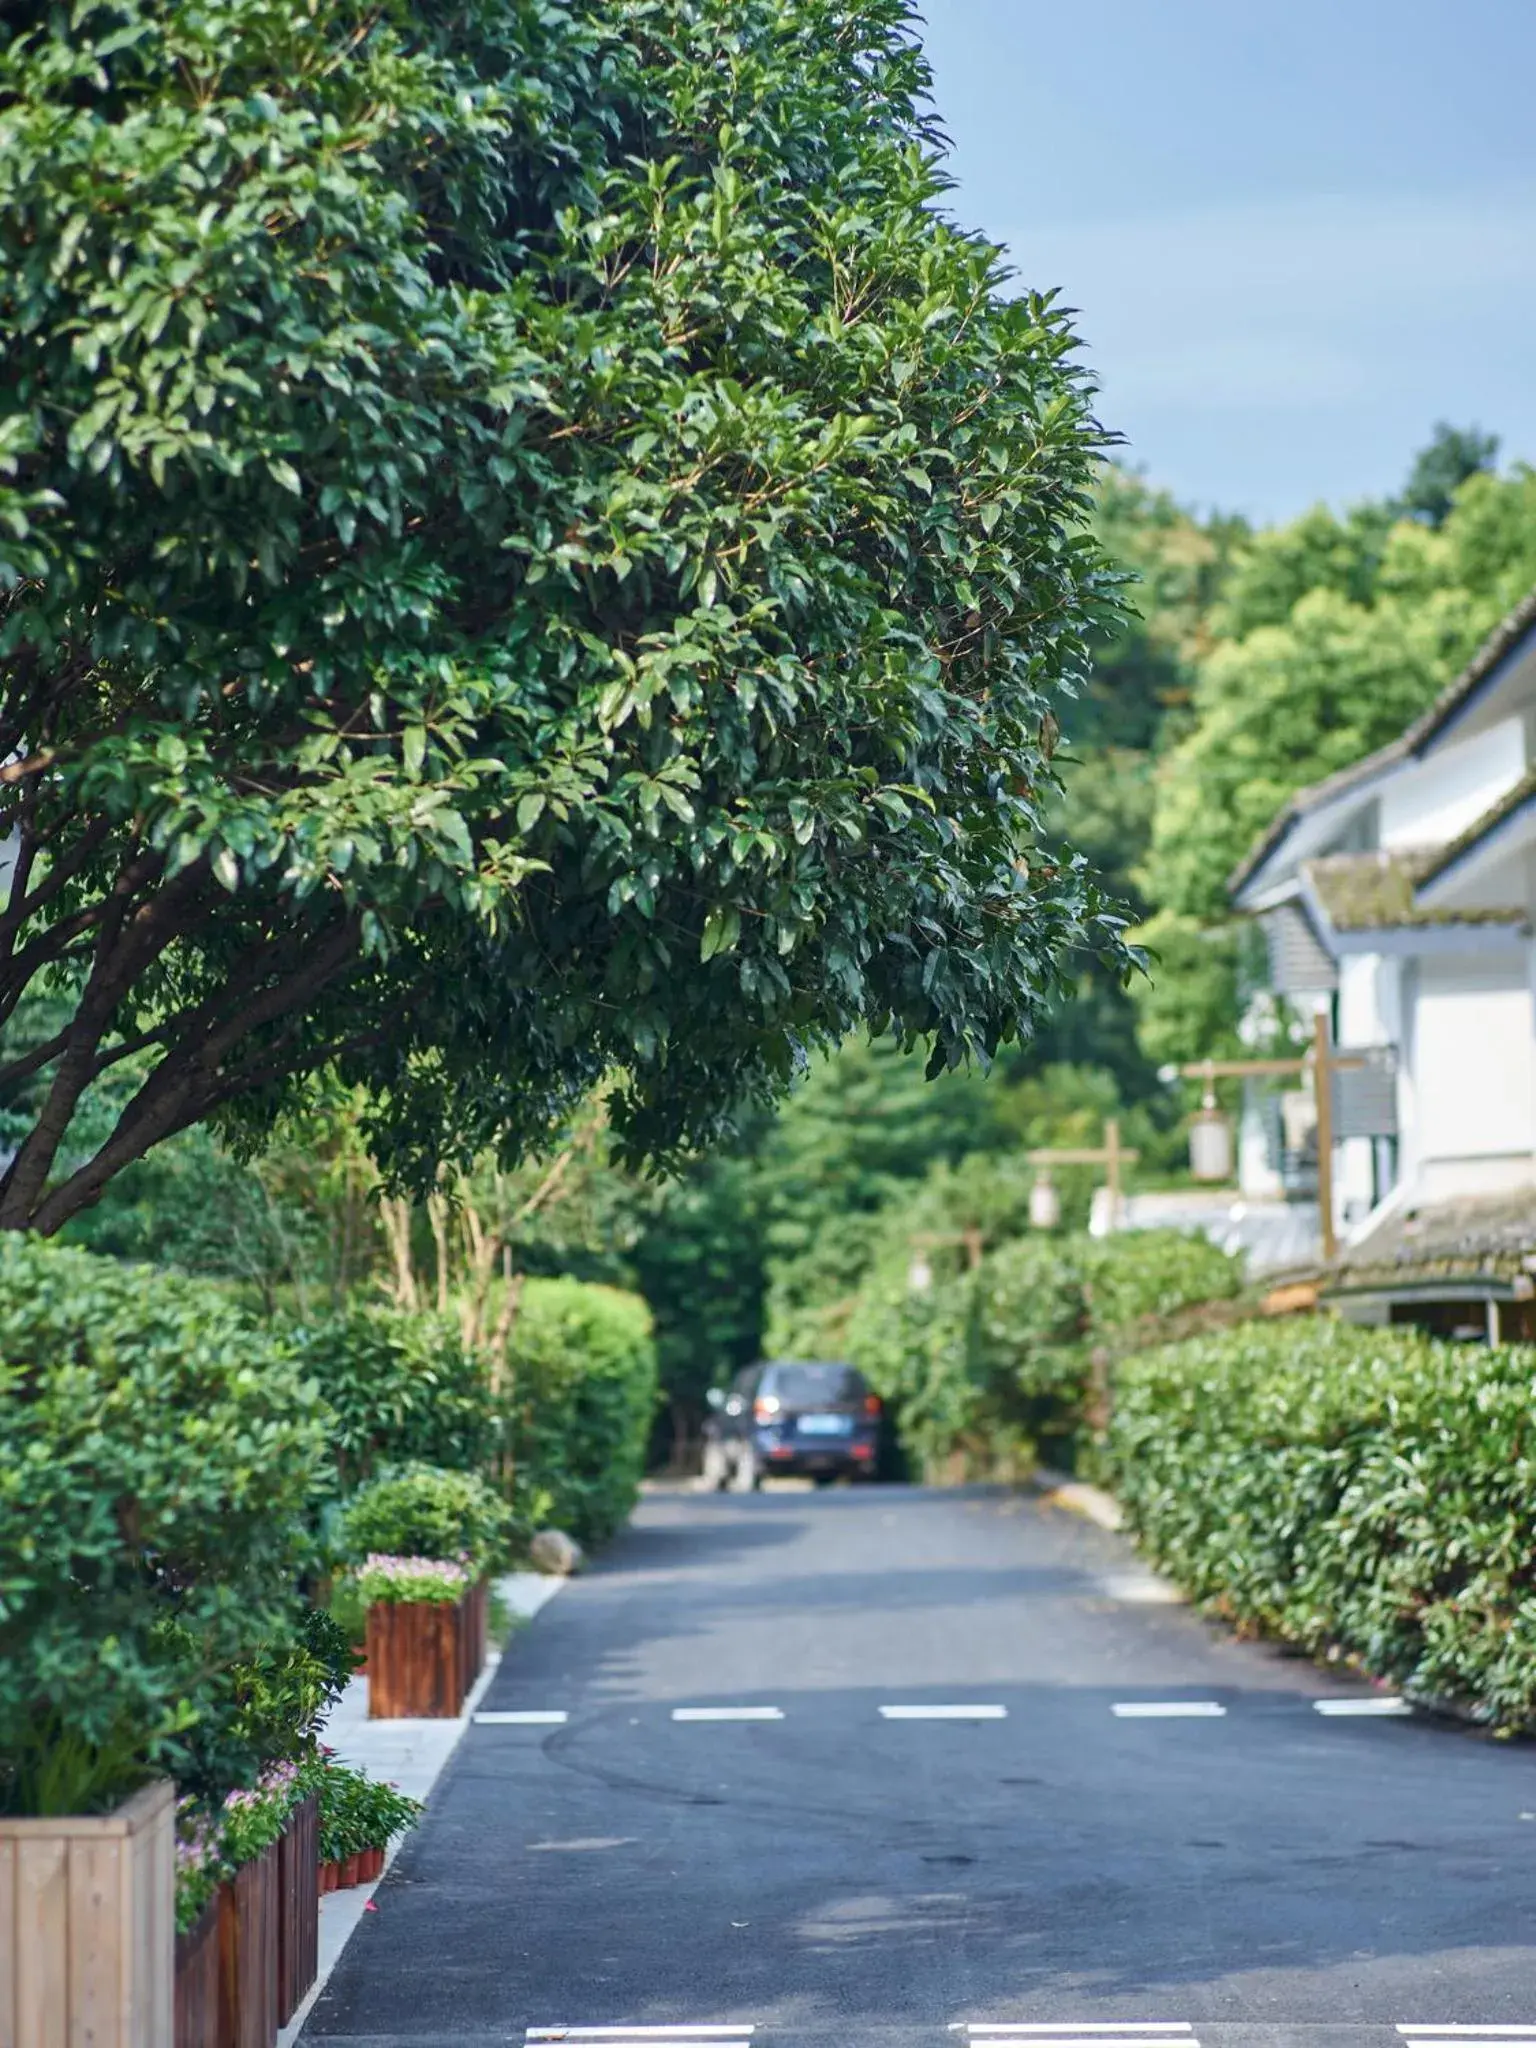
pixel 1077 1497
pixel 410 1754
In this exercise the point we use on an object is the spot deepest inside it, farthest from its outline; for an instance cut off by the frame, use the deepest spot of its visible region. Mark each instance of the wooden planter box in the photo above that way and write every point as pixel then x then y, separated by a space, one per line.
pixel 197 1981
pixel 476 1604
pixel 248 1952
pixel 423 1656
pixel 298 1916
pixel 88 1926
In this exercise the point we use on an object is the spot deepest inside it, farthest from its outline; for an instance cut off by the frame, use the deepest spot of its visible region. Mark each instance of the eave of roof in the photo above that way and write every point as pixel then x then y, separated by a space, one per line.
pixel 1364 892
pixel 1501 642
pixel 1514 800
pixel 1491 1237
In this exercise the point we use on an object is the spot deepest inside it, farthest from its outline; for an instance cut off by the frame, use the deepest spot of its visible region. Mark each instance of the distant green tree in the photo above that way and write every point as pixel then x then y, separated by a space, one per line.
pixel 1439 471
pixel 1332 633
pixel 531 546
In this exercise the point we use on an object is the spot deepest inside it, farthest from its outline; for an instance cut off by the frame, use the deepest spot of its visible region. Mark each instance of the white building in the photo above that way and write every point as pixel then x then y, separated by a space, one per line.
pixel 1401 893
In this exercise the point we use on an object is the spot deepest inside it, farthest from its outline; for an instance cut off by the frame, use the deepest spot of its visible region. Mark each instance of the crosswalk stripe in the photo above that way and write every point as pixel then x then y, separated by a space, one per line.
pixel 1363 1709
pixel 1168 1710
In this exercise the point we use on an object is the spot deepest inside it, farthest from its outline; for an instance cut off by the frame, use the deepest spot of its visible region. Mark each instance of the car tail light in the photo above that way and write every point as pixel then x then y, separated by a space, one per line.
pixel 872 1404
pixel 863 1450
pixel 765 1409
pixel 781 1451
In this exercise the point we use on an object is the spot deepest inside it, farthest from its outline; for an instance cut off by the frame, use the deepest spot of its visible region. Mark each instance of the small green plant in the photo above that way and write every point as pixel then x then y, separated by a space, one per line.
pixel 357 1812
pixel 426 1511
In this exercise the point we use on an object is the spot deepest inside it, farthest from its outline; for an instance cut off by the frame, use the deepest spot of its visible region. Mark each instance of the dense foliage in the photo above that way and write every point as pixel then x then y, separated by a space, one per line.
pixel 401 1389
pixel 158 1454
pixel 532 546
pixel 580 1399
pixel 426 1511
pixel 1357 1491
pixel 985 1369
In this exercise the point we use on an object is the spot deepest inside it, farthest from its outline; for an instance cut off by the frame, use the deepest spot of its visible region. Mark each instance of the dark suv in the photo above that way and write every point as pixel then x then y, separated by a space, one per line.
pixel 789 1416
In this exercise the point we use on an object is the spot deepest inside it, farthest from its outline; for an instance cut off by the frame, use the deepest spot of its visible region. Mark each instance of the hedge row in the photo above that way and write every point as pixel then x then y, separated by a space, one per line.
pixel 171 1471
pixel 985 1370
pixel 1359 1491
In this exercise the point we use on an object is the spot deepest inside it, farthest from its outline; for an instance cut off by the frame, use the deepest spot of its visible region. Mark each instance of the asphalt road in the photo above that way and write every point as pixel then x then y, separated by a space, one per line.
pixel 1265 1874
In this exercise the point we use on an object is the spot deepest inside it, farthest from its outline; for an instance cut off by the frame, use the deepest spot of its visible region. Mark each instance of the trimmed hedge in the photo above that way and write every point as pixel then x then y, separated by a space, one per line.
pixel 425 1511
pixel 158 1455
pixel 1354 1491
pixel 580 1399
pixel 403 1388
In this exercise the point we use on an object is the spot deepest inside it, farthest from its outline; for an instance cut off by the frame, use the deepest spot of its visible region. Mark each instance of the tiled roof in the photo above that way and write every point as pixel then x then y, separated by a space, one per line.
pixel 1487 1237
pixel 1362 892
pixel 1506 635
pixel 1511 801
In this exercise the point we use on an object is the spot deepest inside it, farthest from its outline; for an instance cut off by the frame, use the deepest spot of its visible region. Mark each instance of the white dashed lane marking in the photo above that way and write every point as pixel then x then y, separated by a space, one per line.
pixel 727 1714
pixel 523 1717
pixel 1079 2034
pixel 1168 1710
pixel 949 1713
pixel 1378 1707
pixel 1466 2036
pixel 643 2037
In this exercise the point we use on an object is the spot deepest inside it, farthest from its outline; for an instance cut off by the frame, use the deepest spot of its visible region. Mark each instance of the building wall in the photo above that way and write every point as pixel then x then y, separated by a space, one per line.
pixel 1437 798
pixel 1473 1054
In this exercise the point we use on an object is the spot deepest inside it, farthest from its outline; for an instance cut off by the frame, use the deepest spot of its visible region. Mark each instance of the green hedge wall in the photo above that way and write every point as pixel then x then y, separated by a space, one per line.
pixel 580 1399
pixel 1346 1489
pixel 158 1457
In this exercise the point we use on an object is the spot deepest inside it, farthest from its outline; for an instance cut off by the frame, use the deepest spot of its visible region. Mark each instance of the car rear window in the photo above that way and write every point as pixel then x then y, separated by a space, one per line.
pixel 815 1386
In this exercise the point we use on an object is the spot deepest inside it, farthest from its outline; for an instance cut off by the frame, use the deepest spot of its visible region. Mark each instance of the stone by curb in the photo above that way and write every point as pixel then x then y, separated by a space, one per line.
pixel 1078 1497
pixel 409 1754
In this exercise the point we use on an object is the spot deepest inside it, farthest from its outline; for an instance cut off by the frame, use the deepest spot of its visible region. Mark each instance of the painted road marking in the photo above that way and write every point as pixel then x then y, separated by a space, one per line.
pixel 525 1717
pixel 1167 1710
pixel 653 2037
pixel 952 1713
pixel 727 1713
pixel 1466 2036
pixel 1081 2034
pixel 1366 1709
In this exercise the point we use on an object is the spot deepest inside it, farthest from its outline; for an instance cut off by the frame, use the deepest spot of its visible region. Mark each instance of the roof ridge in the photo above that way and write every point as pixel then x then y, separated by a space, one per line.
pixel 1494 646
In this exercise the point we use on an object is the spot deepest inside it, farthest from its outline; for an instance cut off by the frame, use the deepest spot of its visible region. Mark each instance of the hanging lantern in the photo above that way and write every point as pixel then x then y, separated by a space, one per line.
pixel 1210 1139
pixel 919 1273
pixel 1044 1203
pixel 1103 1212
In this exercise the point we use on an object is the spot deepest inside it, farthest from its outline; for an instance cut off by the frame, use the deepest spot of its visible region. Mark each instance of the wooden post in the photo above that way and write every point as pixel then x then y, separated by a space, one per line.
pixel 1112 1168
pixel 1322 1086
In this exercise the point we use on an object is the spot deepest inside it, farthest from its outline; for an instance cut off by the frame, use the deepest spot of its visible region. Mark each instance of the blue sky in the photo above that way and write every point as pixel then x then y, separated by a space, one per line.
pixel 1297 234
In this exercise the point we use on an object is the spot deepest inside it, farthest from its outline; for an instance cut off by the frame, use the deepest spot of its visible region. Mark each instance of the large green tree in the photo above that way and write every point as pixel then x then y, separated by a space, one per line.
pixel 531 546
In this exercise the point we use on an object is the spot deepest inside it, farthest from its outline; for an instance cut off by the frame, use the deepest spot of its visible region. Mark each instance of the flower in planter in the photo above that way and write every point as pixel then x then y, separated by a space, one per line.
pixel 444 1579
pixel 199 1861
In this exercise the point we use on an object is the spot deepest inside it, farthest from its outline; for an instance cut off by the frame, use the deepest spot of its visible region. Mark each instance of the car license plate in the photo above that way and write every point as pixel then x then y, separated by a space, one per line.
pixel 825 1425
